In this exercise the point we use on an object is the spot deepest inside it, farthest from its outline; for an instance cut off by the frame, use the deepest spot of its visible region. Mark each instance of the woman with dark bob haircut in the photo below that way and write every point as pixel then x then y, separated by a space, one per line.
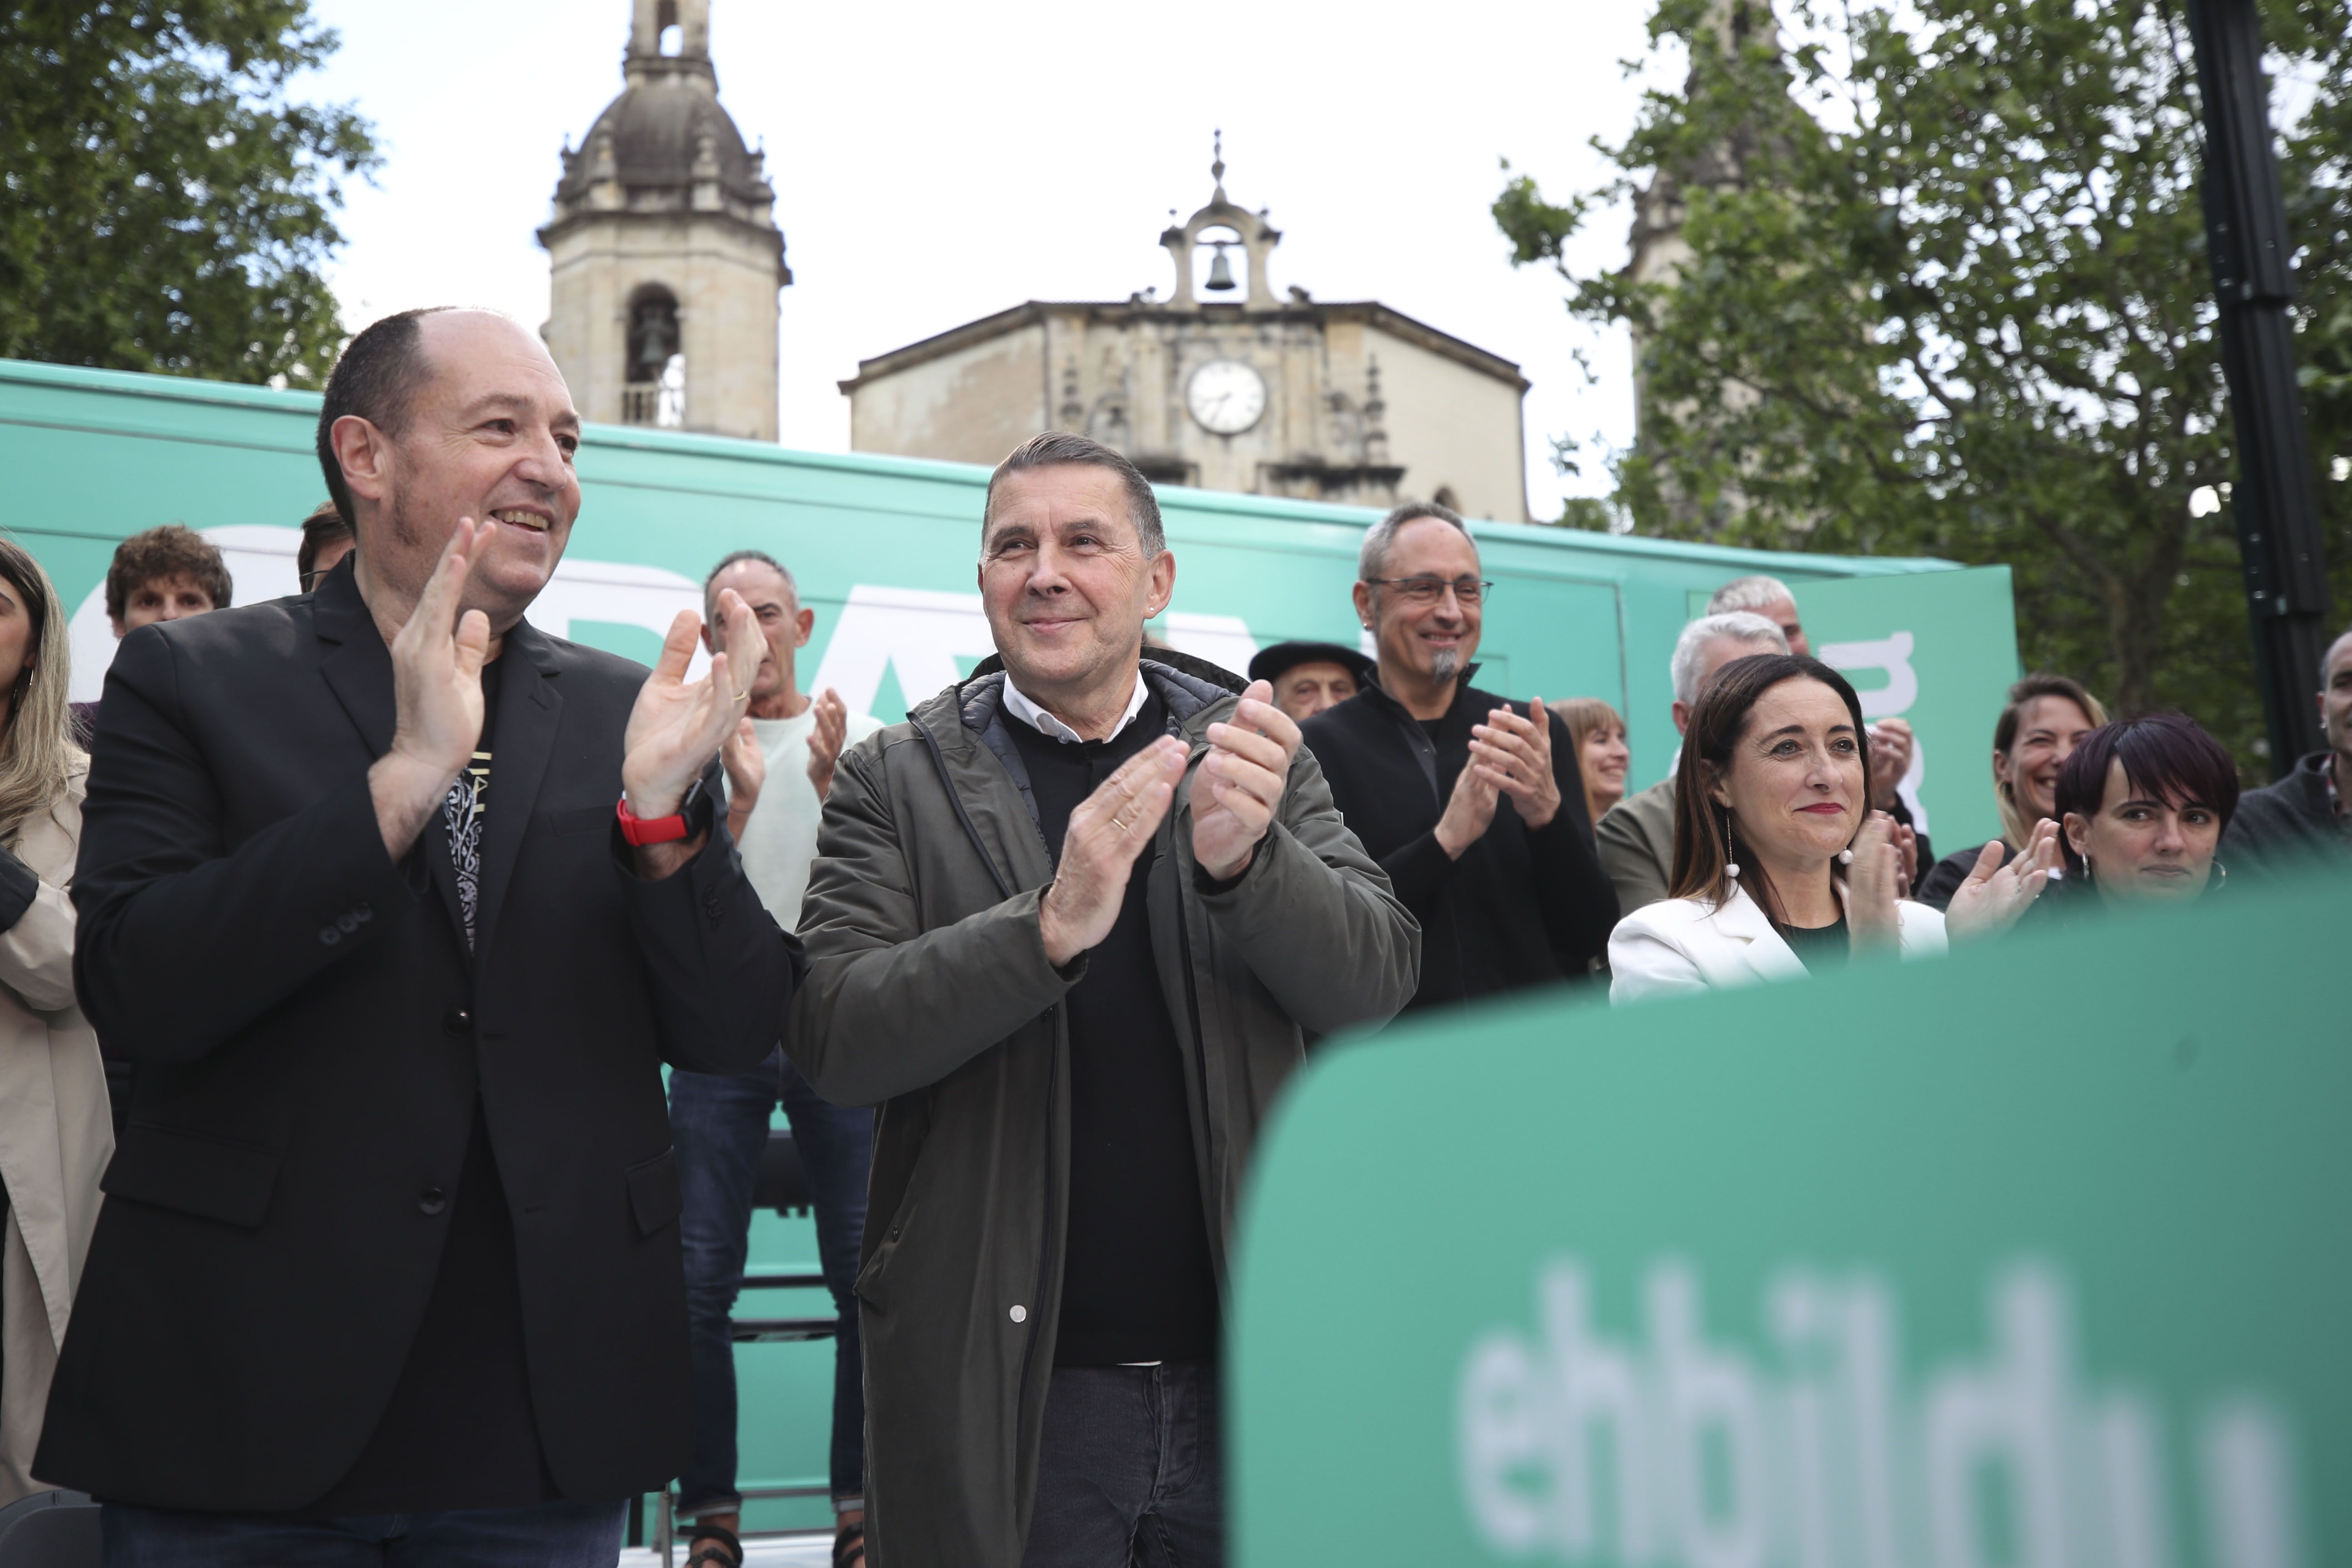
pixel 2144 802
pixel 1781 867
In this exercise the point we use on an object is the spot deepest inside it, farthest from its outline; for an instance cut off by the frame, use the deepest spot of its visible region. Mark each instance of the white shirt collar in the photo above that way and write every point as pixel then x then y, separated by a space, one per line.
pixel 1045 723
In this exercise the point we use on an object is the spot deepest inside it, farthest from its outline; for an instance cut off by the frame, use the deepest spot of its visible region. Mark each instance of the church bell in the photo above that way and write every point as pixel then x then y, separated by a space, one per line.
pixel 1220 274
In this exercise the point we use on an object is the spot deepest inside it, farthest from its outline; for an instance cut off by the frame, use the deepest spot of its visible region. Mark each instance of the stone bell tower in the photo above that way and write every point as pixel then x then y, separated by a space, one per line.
pixel 666 255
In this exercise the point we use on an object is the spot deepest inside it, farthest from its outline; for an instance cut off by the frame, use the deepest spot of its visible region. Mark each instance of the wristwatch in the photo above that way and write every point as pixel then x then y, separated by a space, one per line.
pixel 643 831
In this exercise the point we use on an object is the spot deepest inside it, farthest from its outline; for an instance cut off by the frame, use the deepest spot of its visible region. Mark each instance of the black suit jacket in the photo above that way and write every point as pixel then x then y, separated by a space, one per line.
pixel 311 1031
pixel 1520 907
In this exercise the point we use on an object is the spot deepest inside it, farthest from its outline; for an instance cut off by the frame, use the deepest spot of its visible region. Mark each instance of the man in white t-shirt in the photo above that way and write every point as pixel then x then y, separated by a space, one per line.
pixel 779 767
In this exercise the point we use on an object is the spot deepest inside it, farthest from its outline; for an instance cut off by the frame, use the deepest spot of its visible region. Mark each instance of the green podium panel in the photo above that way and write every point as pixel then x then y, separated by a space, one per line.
pixel 2034 1257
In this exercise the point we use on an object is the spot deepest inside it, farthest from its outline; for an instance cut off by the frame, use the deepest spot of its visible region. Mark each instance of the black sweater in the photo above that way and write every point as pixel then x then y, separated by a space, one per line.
pixel 1520 907
pixel 2288 827
pixel 1138 1284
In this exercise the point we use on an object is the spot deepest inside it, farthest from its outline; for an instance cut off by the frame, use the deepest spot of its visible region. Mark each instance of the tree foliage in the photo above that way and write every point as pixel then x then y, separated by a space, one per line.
pixel 167 207
pixel 1946 293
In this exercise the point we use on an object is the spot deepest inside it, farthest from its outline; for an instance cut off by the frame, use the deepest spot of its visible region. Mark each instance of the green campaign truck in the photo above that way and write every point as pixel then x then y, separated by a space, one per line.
pixel 884 550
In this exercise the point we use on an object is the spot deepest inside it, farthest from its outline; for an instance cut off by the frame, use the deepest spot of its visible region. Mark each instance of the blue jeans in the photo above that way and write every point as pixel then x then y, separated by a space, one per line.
pixel 719 1123
pixel 1132 1470
pixel 551 1535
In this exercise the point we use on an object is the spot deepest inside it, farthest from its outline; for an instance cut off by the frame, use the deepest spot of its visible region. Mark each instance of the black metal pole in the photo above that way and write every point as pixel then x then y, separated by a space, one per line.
pixel 2274 501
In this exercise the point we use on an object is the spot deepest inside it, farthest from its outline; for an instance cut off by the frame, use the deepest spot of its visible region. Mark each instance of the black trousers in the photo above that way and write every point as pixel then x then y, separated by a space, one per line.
pixel 1132 1471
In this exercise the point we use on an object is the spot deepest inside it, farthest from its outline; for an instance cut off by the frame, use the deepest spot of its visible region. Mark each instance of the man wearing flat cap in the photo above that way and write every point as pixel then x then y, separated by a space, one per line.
pixel 1308 678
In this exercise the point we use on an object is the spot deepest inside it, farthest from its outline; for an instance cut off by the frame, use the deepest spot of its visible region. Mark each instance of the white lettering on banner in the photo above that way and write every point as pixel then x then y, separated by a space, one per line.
pixel 1680 1453
pixel 921 631
pixel 260 561
pixel 1893 655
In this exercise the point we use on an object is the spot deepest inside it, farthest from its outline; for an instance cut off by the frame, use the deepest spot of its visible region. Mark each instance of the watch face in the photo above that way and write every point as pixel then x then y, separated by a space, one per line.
pixel 1226 396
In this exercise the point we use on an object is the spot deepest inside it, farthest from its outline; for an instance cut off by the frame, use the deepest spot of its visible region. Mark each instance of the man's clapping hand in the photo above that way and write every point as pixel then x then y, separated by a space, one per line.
pixel 1108 829
pixel 1515 754
pixel 1509 755
pixel 1240 784
pixel 747 775
pixel 825 740
pixel 677 726
pixel 1469 811
pixel 436 686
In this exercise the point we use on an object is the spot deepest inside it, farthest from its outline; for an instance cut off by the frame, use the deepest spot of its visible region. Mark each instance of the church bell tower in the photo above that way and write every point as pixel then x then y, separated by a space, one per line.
pixel 665 257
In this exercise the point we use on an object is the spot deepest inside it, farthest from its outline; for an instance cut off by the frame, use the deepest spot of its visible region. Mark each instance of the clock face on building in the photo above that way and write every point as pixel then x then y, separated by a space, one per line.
pixel 1226 396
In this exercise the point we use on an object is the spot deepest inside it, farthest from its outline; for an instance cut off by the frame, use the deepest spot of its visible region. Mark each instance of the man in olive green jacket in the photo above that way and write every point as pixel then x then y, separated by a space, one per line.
pixel 956 910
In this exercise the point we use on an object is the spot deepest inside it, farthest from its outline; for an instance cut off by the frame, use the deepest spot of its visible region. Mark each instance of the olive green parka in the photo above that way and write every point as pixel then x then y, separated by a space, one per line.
pixel 929 995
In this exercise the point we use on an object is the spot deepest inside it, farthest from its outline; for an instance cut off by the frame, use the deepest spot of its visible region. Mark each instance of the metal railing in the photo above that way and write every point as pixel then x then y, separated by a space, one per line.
pixel 756 1331
pixel 782 1331
pixel 664 1531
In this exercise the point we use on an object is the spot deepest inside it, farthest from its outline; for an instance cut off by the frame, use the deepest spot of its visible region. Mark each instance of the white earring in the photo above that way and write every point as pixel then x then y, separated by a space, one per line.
pixel 1845 857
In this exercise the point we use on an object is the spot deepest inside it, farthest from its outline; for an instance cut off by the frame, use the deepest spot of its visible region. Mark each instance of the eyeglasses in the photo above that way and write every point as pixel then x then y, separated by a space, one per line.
pixel 1430 589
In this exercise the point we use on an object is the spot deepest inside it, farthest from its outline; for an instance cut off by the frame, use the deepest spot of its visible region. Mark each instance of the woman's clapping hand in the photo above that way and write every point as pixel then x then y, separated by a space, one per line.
pixel 1989 902
pixel 1873 921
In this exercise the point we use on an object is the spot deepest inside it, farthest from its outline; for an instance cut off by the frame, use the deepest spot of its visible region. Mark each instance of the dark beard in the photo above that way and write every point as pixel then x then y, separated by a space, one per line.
pixel 403 530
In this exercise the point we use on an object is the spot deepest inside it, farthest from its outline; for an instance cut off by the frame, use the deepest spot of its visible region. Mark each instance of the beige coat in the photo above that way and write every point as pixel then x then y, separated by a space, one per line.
pixel 55 1136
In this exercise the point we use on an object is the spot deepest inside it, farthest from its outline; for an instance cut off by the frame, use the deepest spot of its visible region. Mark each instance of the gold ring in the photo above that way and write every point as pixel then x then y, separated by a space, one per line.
pixel 1122 824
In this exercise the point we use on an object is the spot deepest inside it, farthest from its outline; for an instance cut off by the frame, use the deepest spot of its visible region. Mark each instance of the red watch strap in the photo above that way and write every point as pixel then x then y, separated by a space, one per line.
pixel 640 830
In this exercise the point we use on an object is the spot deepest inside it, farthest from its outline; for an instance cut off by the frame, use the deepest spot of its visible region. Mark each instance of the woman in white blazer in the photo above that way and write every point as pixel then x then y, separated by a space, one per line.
pixel 54 1133
pixel 1779 867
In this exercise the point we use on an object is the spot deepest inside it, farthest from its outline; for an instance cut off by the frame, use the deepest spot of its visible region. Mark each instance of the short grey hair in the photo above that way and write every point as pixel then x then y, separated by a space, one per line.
pixel 1372 560
pixel 2327 657
pixel 1748 593
pixel 1740 625
pixel 737 557
pixel 1058 448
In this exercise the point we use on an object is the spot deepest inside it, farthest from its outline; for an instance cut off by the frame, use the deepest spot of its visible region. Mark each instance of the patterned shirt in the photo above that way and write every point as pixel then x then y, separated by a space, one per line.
pixel 463 812
pixel 467 806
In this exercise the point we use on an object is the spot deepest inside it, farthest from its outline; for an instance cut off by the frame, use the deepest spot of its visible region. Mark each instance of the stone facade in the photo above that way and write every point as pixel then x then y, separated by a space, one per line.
pixel 665 256
pixel 1346 401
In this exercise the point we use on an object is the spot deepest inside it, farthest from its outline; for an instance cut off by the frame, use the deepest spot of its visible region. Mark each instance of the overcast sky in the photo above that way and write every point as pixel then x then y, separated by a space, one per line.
pixel 935 163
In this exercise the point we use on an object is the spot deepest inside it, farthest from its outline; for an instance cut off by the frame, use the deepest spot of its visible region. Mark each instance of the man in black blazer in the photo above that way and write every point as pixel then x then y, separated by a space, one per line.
pixel 1476 811
pixel 388 1270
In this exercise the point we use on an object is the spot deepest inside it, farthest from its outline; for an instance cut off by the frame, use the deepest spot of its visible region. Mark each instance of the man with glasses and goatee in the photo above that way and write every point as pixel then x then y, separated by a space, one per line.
pixel 1471 803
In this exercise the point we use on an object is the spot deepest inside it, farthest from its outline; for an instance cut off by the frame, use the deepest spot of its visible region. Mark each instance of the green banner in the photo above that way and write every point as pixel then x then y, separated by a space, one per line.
pixel 2031 1258
pixel 1938 650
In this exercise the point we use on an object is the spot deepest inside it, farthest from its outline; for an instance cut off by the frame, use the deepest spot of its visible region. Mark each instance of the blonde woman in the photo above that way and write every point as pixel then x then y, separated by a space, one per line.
pixel 2047 716
pixel 1602 758
pixel 54 1133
